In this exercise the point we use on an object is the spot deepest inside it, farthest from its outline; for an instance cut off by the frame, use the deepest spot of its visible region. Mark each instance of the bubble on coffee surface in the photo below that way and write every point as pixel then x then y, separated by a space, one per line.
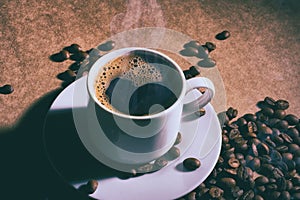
pixel 130 67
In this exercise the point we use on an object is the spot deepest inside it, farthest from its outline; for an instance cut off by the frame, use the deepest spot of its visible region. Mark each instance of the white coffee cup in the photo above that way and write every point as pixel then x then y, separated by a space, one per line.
pixel 130 139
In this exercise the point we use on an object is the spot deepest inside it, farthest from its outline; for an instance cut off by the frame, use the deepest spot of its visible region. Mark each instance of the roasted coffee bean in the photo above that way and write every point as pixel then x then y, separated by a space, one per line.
pixel 223 35
pixel 173 153
pixel 275 155
pixel 261 188
pixel 291 119
pixel 281 183
pixel 233 134
pixel 233 163
pixel 6 89
pixel 200 112
pixel 285 195
pixel 190 51
pixel 252 128
pixel 265 159
pixel 270 143
pixel 261 116
pixel 298 126
pixel 191 72
pixel 263 149
pixel 248 195
pixel 242 173
pixel 254 164
pixel 215 192
pixel 232 171
pixel 280 114
pixel 266 169
pixel 274 194
pixel 160 163
pixel 231 113
pixel 210 46
pixel 282 148
pixel 270 101
pixel 146 168
pixel 178 138
pixel 258 197
pixel 282 104
pixel 282 125
pixel 277 173
pixel 60 56
pixel 293 132
pixel 296 181
pixel 191 163
pixel 266 130
pixel 293 148
pixel 277 139
pixel 286 138
pixel 250 117
pixel 73 48
pixel 271 122
pixel 90 187
pixel 268 111
pixel 228 182
pixel 261 180
pixel 225 139
pixel 79 56
pixel 241 122
pixel 296 195
pixel 254 150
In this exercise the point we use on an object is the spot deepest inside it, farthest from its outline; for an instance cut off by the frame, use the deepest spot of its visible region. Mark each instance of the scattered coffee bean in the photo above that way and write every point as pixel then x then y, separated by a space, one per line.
pixel 60 57
pixel 279 113
pixel 270 101
pixel 228 182
pixel 200 112
pixel 6 89
pixel 79 56
pixel 210 46
pixel 73 48
pixel 178 138
pixel 233 163
pixel 261 180
pixel 191 163
pixel 90 187
pixel 191 72
pixel 268 111
pixel 282 104
pixel 216 192
pixel 223 35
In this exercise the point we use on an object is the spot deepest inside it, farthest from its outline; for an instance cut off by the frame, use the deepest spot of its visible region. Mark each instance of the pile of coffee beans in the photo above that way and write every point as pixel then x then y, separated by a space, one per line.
pixel 260 156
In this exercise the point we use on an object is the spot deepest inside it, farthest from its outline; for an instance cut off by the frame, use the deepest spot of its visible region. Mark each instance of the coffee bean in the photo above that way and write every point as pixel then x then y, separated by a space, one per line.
pixel 274 194
pixel 261 116
pixel 285 195
pixel 160 163
pixel 286 138
pixel 79 56
pixel 178 138
pixel 90 187
pixel 200 112
pixel 275 155
pixel 248 195
pixel 250 117
pixel 241 121
pixel 191 163
pixel 233 134
pixel 263 149
pixel 261 180
pixel 280 114
pixel 210 46
pixel 293 148
pixel 254 164
pixel 60 57
pixel 233 163
pixel 266 130
pixel 173 153
pixel 270 143
pixel 281 184
pixel 298 126
pixel 268 111
pixel 73 48
pixel 270 101
pixel 146 168
pixel 228 182
pixel 215 192
pixel 293 132
pixel 6 89
pixel 252 127
pixel 291 119
pixel 296 195
pixel 277 173
pixel 191 196
pixel 282 104
pixel 223 35
pixel 258 197
pixel 282 148
pixel 271 122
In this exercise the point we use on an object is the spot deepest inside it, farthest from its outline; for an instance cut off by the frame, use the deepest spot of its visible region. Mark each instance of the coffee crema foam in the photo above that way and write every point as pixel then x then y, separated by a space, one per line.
pixel 130 67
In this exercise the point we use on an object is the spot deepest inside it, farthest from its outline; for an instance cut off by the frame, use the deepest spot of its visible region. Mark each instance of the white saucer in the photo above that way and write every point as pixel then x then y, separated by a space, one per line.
pixel 200 139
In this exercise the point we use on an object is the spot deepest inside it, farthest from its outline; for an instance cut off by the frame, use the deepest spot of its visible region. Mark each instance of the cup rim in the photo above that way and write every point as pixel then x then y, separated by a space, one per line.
pixel 94 72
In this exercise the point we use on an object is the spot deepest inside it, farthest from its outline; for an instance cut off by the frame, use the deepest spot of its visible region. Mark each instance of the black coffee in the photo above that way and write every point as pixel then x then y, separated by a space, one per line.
pixel 134 84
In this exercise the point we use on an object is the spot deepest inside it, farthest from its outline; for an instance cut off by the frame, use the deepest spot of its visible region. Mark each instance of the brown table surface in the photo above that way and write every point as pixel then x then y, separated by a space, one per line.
pixel 261 58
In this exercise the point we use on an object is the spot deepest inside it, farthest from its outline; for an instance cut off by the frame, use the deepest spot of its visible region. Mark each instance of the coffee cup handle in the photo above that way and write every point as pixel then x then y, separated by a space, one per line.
pixel 204 99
